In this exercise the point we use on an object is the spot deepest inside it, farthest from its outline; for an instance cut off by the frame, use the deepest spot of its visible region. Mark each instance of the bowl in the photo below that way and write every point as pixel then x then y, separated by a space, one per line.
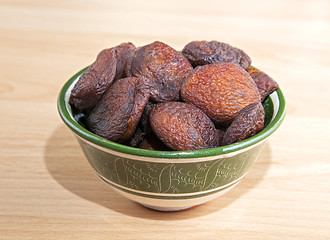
pixel 171 180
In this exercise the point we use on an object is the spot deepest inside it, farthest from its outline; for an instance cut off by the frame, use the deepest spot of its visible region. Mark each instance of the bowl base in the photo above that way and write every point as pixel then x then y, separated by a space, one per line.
pixel 167 209
pixel 172 205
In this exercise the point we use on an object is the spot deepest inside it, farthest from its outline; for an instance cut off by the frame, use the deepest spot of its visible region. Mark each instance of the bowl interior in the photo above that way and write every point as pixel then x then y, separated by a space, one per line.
pixel 274 107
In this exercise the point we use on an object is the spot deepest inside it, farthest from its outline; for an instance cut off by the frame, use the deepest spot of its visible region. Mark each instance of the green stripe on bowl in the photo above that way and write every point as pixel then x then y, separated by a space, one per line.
pixel 169 196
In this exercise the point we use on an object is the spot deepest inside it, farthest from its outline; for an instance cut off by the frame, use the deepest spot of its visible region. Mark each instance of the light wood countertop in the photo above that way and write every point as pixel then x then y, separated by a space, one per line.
pixel 48 189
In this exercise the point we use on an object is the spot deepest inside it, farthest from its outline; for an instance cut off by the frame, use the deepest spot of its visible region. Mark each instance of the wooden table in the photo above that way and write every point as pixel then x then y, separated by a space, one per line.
pixel 49 191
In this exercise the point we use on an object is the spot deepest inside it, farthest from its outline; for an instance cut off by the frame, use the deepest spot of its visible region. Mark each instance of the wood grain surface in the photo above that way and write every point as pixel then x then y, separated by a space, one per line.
pixel 49 191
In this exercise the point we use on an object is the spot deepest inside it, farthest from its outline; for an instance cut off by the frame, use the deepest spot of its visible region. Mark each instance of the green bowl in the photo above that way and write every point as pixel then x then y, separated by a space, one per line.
pixel 171 180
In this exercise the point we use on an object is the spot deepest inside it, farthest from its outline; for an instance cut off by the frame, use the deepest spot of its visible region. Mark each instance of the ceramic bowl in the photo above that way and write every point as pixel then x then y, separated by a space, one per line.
pixel 171 180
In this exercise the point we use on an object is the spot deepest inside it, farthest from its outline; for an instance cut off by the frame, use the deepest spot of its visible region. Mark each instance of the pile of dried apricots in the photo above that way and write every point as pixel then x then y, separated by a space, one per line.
pixel 157 98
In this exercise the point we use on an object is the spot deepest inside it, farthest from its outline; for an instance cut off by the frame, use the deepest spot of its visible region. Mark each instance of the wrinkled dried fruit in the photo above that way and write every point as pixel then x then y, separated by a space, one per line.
pixel 266 85
pixel 123 53
pixel 221 133
pixel 182 126
pixel 248 122
pixel 132 96
pixel 220 90
pixel 204 52
pixel 137 138
pixel 151 142
pixel 164 66
pixel 95 80
pixel 116 115
pixel 144 122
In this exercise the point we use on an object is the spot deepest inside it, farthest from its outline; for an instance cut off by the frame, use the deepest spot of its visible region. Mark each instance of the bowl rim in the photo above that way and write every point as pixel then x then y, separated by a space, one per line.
pixel 63 109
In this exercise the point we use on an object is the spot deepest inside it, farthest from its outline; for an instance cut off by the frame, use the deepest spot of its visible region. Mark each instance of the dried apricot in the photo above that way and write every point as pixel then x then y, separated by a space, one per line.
pixel 144 121
pixel 266 85
pixel 137 138
pixel 152 142
pixel 164 66
pixel 204 52
pixel 95 80
pixel 221 90
pixel 182 126
pixel 134 96
pixel 141 98
pixel 116 115
pixel 123 53
pixel 221 133
pixel 248 122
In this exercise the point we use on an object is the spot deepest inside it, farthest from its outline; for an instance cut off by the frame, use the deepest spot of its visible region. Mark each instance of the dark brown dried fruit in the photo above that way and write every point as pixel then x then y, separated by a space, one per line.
pixel 183 126
pixel 146 145
pixel 123 53
pixel 141 98
pixel 266 85
pixel 248 122
pixel 220 90
pixel 137 138
pixel 144 121
pixel 204 52
pixel 116 115
pixel 221 133
pixel 123 79
pixel 164 66
pixel 95 80
pixel 151 142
